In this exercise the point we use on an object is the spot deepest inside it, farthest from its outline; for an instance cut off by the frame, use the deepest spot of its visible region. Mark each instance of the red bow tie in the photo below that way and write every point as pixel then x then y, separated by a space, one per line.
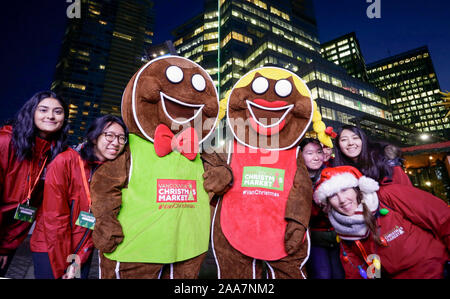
pixel 185 142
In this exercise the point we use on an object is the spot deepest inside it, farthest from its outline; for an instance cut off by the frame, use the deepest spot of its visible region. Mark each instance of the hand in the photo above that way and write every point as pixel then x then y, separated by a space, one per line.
pixel 293 238
pixel 3 261
pixel 217 180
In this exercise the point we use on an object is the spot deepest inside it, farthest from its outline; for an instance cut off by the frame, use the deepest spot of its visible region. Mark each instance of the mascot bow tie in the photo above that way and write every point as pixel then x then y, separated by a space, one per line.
pixel 185 142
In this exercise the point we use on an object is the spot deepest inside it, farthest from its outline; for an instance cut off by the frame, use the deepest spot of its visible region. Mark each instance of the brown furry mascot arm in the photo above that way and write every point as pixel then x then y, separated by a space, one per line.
pixel 298 208
pixel 218 174
pixel 106 191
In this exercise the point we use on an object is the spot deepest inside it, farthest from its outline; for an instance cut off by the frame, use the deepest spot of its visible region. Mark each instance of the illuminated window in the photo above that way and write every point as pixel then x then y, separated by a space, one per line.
pixel 279 13
pixel 209 36
pixel 258 3
pixel 178 42
pixel 211 47
pixel 73 85
pixel 93 11
pixel 122 36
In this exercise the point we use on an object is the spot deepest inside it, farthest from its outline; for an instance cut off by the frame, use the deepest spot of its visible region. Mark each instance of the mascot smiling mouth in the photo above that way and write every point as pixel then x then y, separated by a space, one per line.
pixel 177 111
pixel 268 118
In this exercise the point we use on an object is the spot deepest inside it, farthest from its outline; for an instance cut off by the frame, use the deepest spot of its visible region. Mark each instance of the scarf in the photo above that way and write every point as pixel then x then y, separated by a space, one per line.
pixel 353 227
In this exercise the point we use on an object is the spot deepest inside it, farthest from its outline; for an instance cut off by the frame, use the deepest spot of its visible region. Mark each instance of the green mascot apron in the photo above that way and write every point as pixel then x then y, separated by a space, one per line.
pixel 165 214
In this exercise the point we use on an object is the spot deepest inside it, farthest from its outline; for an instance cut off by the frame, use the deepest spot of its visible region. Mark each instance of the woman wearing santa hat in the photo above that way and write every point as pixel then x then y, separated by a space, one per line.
pixel 392 231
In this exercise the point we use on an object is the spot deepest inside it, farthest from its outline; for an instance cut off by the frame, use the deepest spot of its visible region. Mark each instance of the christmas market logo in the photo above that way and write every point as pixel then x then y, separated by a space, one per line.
pixel 176 191
pixel 263 177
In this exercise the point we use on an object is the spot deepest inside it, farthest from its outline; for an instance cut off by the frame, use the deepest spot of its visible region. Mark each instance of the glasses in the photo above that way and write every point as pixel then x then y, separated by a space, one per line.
pixel 122 139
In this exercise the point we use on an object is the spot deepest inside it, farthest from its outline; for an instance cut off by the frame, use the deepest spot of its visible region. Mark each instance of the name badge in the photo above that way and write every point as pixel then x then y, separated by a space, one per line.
pixel 86 220
pixel 25 213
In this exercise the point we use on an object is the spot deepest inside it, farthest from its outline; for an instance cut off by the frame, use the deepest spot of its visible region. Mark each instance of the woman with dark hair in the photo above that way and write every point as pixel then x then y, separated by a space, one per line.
pixel 353 148
pixel 392 231
pixel 323 262
pixel 36 136
pixel 63 232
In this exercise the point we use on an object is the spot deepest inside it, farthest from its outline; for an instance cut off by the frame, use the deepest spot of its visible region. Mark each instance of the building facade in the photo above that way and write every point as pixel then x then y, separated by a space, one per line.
pixel 101 50
pixel 255 33
pixel 346 52
pixel 411 84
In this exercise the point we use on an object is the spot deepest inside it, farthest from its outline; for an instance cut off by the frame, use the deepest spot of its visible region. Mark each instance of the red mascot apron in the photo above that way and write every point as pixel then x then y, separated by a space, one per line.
pixel 252 216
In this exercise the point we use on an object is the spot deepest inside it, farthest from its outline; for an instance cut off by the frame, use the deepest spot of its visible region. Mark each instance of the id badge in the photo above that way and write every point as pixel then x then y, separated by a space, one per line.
pixel 86 220
pixel 25 213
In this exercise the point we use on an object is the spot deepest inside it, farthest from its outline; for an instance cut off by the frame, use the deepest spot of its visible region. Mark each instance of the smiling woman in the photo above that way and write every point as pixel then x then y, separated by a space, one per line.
pixel 64 225
pixel 354 148
pixel 36 136
pixel 48 117
pixel 404 228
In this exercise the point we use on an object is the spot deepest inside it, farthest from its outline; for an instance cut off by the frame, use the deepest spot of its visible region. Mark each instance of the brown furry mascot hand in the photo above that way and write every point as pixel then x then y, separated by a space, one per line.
pixel 218 174
pixel 293 238
pixel 217 180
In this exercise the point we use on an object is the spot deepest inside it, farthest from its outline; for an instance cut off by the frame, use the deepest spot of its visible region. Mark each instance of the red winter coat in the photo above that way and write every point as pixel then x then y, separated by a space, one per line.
pixel 14 188
pixel 64 199
pixel 400 177
pixel 417 231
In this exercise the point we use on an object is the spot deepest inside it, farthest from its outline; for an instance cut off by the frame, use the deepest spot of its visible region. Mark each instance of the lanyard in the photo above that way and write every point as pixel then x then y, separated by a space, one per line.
pixel 31 188
pixel 363 252
pixel 85 183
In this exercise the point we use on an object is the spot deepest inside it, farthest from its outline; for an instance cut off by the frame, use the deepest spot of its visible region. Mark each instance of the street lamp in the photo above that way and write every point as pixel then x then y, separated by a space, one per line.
pixel 424 137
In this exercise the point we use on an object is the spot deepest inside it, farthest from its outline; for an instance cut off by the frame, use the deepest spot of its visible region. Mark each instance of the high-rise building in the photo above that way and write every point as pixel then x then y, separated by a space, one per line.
pixel 283 33
pixel 411 84
pixel 101 50
pixel 346 52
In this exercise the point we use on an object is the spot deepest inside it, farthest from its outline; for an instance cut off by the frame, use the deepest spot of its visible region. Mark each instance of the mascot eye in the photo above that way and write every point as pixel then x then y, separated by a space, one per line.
pixel 260 85
pixel 198 82
pixel 174 74
pixel 283 88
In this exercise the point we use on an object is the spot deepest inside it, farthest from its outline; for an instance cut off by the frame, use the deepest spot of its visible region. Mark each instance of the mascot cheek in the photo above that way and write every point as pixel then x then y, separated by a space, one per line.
pixel 148 89
pixel 302 108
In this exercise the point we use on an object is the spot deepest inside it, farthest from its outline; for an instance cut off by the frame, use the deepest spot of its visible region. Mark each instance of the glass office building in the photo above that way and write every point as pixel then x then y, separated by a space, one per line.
pixel 346 52
pixel 100 52
pixel 255 33
pixel 411 84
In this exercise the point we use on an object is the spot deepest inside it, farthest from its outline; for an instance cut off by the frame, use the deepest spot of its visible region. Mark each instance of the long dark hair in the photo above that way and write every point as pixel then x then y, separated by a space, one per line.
pixel 369 218
pixel 25 131
pixel 87 152
pixel 371 161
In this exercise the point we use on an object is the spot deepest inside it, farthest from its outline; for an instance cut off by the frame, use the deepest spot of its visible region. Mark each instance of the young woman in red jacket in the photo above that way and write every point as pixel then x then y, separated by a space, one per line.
pixel 35 137
pixel 354 148
pixel 387 231
pixel 62 236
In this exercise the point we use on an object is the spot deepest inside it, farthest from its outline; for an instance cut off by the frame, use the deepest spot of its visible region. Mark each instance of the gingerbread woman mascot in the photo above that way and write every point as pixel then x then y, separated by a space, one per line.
pixel 260 221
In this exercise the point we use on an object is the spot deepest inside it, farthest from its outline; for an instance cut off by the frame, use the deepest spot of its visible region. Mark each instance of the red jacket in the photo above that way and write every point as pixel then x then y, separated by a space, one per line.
pixel 14 188
pixel 400 177
pixel 417 231
pixel 64 199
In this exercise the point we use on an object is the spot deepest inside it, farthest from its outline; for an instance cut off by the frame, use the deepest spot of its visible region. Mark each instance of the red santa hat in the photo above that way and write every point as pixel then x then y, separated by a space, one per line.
pixel 333 180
